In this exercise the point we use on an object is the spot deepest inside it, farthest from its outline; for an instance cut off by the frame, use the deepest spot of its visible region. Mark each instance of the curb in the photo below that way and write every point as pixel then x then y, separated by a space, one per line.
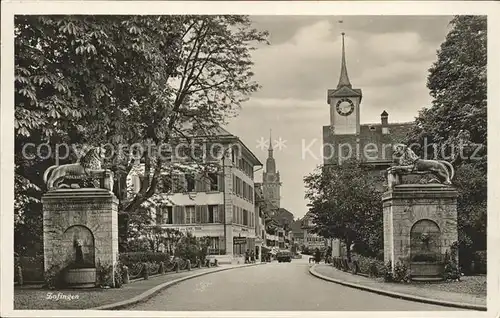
pixel 399 295
pixel 153 291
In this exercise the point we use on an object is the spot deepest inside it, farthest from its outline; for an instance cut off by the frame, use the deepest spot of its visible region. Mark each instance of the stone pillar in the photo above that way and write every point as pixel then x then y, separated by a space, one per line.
pixel 407 204
pixel 89 216
pixel 335 248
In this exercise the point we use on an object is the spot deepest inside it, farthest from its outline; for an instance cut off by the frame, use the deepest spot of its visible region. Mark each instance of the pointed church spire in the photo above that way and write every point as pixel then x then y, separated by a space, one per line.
pixel 270 149
pixel 270 163
pixel 344 78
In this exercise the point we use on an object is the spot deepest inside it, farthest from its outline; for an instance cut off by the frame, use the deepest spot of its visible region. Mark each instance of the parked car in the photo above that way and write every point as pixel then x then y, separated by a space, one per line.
pixel 284 256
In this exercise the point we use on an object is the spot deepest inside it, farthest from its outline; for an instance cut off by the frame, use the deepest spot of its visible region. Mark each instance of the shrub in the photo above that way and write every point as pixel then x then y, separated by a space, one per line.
pixel 388 277
pixel 54 277
pixel 32 267
pixel 104 275
pixel 480 262
pixel 131 258
pixel 370 266
pixel 451 267
pixel 401 273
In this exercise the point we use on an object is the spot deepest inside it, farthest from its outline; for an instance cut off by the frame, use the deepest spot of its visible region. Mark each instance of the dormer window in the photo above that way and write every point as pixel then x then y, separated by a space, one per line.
pixel 372 128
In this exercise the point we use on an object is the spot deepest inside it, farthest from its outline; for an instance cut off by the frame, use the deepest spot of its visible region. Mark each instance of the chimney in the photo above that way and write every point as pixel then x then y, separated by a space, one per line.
pixel 385 122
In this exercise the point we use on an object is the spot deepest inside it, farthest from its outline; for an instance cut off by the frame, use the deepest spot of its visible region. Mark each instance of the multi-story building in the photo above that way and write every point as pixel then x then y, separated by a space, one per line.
pixel 311 240
pixel 220 205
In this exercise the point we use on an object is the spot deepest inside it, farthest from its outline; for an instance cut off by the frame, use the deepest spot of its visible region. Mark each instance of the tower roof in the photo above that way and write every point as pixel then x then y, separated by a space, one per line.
pixel 270 162
pixel 384 113
pixel 344 78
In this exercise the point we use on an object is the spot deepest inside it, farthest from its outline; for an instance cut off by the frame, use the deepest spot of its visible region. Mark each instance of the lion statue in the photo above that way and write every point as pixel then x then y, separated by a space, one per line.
pixel 410 163
pixel 87 166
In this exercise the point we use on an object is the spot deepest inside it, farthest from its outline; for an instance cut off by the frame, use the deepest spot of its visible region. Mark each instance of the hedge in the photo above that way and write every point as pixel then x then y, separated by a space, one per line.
pixel 132 258
pixel 480 264
pixel 32 268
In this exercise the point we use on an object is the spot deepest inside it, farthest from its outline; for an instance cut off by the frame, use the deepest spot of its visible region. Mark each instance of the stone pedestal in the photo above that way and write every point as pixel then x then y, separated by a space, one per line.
pixel 336 248
pixel 80 228
pixel 420 224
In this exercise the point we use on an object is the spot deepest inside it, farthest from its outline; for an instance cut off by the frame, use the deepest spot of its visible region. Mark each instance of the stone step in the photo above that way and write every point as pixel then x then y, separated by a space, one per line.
pixel 426 278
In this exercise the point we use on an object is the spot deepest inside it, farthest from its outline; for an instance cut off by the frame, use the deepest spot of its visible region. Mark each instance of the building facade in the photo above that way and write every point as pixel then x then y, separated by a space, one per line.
pixel 311 240
pixel 219 205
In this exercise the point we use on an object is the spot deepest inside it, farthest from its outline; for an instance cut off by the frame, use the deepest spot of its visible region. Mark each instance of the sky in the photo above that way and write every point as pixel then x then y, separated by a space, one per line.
pixel 388 58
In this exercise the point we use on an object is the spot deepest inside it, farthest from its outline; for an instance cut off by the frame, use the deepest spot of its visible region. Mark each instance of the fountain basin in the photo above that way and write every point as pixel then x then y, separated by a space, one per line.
pixel 80 277
pixel 426 271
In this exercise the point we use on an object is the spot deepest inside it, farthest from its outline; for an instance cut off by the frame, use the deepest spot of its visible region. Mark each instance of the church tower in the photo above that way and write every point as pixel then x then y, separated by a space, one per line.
pixel 344 102
pixel 271 178
pixel 341 137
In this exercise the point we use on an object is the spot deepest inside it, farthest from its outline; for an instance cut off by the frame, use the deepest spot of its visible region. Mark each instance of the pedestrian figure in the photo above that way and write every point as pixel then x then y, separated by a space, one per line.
pixel 317 256
pixel 252 257
pixel 247 256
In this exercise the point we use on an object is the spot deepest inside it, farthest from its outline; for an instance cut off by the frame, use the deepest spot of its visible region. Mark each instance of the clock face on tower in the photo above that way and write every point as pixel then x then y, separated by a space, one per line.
pixel 345 107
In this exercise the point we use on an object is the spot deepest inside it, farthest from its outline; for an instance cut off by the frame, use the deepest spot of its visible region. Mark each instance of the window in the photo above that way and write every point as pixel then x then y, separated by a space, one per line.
pixel 189 182
pixel 165 215
pixel 214 186
pixel 168 217
pixel 214 242
pixel 245 217
pixel 234 184
pixel 213 214
pixel 190 214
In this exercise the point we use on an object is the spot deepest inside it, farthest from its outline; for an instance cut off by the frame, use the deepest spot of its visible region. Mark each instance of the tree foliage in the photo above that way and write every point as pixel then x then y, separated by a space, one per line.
pixel 124 80
pixel 456 123
pixel 345 204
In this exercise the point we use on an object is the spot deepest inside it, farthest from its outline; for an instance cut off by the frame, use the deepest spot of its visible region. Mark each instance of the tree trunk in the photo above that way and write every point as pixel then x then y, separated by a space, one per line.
pixel 348 249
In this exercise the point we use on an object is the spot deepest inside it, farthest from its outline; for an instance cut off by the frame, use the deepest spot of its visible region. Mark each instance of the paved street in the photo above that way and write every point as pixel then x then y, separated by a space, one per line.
pixel 274 286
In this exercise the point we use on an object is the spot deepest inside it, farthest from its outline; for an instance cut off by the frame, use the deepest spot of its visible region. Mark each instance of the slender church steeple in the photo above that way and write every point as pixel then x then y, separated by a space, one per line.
pixel 344 78
pixel 270 163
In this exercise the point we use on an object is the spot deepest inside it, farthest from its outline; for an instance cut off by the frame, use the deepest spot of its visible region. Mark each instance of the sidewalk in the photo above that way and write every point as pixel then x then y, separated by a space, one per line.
pixel 405 291
pixel 35 298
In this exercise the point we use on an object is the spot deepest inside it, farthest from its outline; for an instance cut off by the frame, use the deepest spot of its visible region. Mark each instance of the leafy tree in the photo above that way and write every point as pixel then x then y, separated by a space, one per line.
pixel 345 204
pixel 124 80
pixel 456 123
pixel 457 82
pixel 157 237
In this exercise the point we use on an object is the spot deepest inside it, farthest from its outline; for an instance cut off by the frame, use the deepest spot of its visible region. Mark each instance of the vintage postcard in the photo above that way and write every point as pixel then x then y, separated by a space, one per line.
pixel 249 158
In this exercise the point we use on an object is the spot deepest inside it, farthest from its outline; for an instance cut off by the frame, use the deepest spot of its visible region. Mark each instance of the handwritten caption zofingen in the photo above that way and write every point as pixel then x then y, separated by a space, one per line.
pixel 62 296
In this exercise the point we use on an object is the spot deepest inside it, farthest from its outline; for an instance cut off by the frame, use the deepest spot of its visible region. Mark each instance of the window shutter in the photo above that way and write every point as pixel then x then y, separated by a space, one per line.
pixel 182 215
pixel 197 214
pixel 177 217
pixel 221 211
pixel 204 214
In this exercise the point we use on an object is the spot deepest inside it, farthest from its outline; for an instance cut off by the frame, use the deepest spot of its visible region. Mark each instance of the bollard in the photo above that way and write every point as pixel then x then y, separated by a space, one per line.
pixel 125 275
pixel 189 264
pixel 20 279
pixel 145 271
pixel 161 269
pixel 177 266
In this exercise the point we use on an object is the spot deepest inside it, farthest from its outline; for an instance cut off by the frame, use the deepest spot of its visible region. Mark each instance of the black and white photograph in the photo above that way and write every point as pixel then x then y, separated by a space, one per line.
pixel 206 159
